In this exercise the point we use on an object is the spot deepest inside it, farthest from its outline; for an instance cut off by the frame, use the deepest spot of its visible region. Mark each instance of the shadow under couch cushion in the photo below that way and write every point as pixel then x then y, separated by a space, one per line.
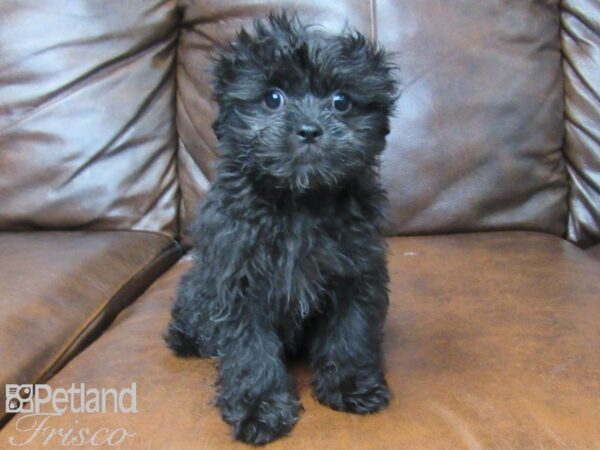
pixel 58 290
pixel 491 342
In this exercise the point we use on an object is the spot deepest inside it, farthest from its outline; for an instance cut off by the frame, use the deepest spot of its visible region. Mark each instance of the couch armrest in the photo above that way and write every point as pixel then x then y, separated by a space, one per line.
pixel 59 290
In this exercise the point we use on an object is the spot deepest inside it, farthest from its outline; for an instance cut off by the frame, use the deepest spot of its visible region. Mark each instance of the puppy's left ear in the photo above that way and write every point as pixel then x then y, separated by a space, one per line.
pixel 374 63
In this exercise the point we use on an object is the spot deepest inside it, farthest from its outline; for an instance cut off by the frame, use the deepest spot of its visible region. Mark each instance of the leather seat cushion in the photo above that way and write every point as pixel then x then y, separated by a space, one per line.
pixel 491 342
pixel 58 290
pixel 594 251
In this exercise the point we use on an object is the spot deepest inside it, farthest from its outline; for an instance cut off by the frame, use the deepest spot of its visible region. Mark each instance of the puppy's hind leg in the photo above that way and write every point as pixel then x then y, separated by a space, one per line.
pixel 179 342
pixel 182 335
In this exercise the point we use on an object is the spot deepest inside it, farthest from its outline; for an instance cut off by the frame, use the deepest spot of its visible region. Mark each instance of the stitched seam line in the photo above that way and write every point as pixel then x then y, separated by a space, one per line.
pixel 373 5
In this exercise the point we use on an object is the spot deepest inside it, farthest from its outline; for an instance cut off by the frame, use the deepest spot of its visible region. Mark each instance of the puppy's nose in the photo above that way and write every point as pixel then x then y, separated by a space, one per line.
pixel 309 132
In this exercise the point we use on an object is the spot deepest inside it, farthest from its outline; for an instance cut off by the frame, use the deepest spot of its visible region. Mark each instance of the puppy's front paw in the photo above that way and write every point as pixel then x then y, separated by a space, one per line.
pixel 271 418
pixel 354 393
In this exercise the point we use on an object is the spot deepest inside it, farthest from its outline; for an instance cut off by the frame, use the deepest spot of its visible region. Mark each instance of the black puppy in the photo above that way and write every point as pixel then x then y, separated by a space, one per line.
pixel 288 253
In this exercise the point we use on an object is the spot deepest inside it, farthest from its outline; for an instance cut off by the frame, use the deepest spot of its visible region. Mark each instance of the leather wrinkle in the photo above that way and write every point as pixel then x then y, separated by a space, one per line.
pixel 199 134
pixel 581 18
pixel 581 78
pixel 200 166
pixel 87 79
pixel 157 198
pixel 144 107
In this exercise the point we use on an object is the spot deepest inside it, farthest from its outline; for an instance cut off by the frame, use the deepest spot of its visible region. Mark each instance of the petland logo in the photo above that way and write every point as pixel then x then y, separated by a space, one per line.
pixel 18 397
pixel 39 403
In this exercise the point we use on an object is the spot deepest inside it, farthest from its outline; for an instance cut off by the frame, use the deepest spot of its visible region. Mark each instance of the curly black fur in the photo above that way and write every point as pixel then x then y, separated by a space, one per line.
pixel 288 253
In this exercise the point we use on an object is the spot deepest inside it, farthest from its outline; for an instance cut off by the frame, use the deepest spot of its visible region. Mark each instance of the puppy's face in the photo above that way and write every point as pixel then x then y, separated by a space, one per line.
pixel 302 110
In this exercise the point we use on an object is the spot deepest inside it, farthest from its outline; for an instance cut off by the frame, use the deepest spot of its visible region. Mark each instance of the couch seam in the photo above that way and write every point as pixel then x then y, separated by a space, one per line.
pixel 179 193
pixel 373 12
pixel 561 31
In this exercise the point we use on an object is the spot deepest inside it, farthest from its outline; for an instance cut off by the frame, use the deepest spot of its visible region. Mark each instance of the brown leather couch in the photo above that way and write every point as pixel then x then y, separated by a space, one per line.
pixel 493 173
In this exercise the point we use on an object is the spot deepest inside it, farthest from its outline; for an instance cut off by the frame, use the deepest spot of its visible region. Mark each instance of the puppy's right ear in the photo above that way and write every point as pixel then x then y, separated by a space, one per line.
pixel 223 75
pixel 227 64
pixel 227 60
pixel 220 123
pixel 216 126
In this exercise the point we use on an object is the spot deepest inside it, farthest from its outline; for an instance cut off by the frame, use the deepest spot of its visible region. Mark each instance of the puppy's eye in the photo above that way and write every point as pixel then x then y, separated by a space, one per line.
pixel 274 99
pixel 341 102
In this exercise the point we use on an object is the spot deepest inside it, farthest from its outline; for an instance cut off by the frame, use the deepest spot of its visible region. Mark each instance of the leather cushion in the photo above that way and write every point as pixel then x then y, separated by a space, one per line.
pixel 477 135
pixel 87 115
pixel 594 251
pixel 58 290
pixel 491 341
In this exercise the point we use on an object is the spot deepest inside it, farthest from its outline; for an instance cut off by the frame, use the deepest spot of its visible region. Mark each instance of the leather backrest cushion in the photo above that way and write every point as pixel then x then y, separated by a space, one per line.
pixel 581 64
pixel 476 139
pixel 87 115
